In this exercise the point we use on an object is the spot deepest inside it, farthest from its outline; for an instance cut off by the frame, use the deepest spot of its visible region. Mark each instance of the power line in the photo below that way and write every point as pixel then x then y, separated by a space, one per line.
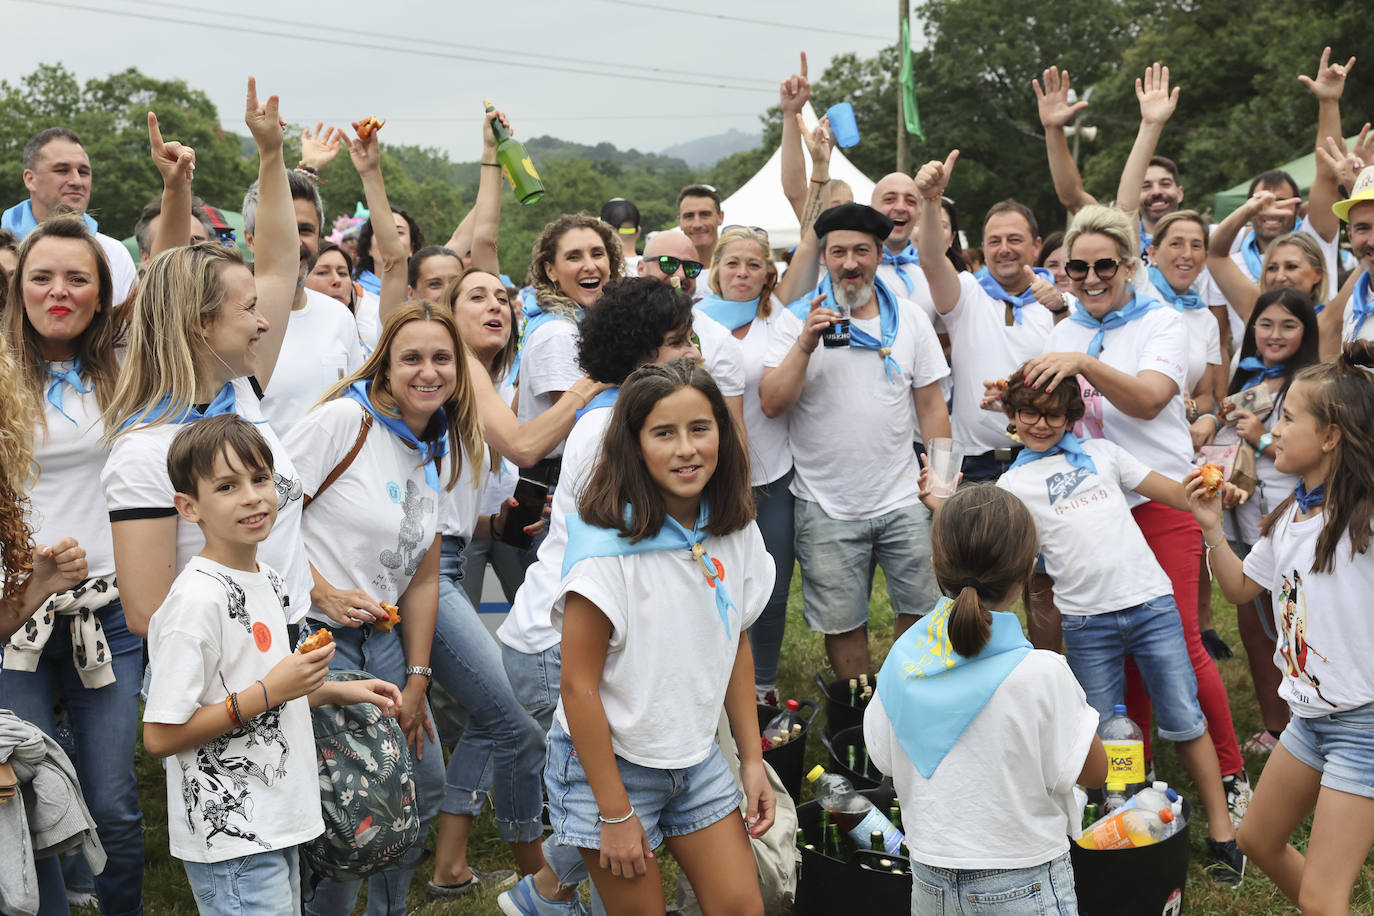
pixel 767 22
pixel 541 118
pixel 368 46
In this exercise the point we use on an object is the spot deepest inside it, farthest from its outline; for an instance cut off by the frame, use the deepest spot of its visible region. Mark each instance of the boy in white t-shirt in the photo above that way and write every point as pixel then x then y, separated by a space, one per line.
pixel 1114 597
pixel 226 700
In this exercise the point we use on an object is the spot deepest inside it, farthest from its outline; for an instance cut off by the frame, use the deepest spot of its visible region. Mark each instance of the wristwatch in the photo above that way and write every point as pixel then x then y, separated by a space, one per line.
pixel 1264 442
pixel 1063 306
pixel 423 672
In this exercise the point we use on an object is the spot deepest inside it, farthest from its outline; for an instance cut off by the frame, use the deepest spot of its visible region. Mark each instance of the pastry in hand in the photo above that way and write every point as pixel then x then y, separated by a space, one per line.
pixel 1212 478
pixel 369 125
pixel 317 640
pixel 393 617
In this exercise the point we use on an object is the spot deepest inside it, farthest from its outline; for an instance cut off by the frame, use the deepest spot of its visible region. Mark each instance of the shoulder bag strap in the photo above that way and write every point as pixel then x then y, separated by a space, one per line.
pixel 347 459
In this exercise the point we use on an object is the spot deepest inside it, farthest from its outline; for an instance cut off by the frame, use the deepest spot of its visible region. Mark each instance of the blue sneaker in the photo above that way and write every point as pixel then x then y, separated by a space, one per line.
pixel 524 900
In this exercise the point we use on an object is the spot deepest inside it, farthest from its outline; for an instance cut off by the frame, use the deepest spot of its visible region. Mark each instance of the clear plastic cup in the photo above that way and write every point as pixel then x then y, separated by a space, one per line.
pixel 945 459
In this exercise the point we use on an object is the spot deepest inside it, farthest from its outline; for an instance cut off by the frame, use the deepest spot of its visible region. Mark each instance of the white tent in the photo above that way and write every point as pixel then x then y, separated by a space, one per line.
pixel 760 201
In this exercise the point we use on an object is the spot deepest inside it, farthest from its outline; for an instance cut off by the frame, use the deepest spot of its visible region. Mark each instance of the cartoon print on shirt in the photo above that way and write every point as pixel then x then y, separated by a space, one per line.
pixel 409 550
pixel 1293 645
pixel 235 598
pixel 288 489
pixel 279 588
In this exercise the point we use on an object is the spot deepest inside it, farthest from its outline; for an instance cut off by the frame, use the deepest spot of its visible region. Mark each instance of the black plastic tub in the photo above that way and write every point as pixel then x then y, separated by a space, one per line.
pixel 839 715
pixel 788 760
pixel 827 886
pixel 839 759
pixel 1148 881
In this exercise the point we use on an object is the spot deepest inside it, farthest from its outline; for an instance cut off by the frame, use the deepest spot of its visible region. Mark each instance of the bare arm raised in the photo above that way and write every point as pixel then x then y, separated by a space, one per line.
pixel 1157 104
pixel 276 246
pixel 1055 114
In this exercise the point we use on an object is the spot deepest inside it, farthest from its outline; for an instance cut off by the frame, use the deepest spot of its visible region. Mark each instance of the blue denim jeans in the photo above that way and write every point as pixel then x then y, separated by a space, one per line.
pixel 1096 647
pixel 502 747
pixel 263 884
pixel 1036 891
pixel 508 562
pixel 382 656
pixel 774 502
pixel 104 723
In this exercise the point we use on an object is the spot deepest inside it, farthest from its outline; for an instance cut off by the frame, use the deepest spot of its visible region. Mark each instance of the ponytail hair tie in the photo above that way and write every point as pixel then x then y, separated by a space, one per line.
pixel 971 583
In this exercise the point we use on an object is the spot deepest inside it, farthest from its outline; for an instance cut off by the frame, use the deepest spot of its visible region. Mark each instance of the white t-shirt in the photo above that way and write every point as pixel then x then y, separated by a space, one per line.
pixel 1325 632
pixel 62 501
pixel 666 632
pixel 1158 341
pixel 459 517
pixel 527 628
pixel 548 363
pixel 137 486
pixel 1003 795
pixel 371 528
pixel 500 485
pixel 255 788
pixel 367 312
pixel 1079 514
pixel 1271 485
pixel 123 271
pixel 770 453
pixel 919 292
pixel 982 347
pixel 320 348
pixel 851 429
pixel 721 352
pixel 1204 338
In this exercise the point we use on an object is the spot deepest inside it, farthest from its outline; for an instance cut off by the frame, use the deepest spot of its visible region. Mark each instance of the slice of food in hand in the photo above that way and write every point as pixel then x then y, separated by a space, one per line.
pixel 393 617
pixel 368 126
pixel 317 640
pixel 1212 479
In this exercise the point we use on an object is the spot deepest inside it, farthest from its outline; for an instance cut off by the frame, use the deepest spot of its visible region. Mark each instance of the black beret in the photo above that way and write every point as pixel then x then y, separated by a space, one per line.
pixel 857 217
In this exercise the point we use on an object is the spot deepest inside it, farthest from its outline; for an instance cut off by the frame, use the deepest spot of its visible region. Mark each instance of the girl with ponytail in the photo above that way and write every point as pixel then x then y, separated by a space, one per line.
pixel 963 686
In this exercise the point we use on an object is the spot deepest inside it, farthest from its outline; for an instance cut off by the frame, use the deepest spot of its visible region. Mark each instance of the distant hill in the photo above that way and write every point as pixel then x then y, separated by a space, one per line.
pixel 705 152
pixel 554 148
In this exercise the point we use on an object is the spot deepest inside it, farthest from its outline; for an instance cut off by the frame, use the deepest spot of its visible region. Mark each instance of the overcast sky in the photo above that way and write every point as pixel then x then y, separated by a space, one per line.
pixel 637 73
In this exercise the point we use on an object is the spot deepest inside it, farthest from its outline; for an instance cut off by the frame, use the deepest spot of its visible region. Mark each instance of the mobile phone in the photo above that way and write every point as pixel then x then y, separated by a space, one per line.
pixel 530 496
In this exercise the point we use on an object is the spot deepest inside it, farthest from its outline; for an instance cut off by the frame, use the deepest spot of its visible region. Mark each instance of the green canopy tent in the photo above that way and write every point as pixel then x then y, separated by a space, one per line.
pixel 232 220
pixel 1303 170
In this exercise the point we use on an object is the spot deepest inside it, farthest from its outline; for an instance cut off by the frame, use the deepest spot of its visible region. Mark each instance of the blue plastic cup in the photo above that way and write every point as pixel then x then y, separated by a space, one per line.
pixel 842 124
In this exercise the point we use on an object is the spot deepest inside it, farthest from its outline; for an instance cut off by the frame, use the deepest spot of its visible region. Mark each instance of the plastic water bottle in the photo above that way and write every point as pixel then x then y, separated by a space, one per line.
pixel 1125 745
pixel 1114 798
pixel 1178 822
pixel 855 814
pixel 1153 797
pixel 1127 829
pixel 780 726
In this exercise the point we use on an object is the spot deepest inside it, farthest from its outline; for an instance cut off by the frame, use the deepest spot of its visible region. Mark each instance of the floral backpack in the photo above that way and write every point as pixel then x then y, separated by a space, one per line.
pixel 367 791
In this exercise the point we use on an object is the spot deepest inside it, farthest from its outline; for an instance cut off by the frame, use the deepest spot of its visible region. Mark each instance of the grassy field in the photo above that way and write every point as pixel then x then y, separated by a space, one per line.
pixel 167 894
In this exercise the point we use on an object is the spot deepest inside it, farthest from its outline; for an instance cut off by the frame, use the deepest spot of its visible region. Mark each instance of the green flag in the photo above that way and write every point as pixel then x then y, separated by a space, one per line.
pixel 908 81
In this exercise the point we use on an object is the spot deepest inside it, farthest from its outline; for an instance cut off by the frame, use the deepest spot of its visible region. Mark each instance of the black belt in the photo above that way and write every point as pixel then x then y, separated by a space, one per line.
pixel 546 471
pixel 1002 455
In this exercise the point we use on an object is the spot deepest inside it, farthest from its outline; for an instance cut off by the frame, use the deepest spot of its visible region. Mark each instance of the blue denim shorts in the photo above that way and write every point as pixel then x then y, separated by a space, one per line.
pixel 668 803
pixel 262 883
pixel 1033 891
pixel 1339 746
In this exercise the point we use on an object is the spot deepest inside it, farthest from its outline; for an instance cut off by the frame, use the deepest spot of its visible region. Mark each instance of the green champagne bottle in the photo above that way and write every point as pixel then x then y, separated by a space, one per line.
pixel 516 163
pixel 876 843
pixel 834 845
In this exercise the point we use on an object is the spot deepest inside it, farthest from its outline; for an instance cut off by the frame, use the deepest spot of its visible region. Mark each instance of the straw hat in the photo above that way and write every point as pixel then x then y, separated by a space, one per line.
pixel 1363 190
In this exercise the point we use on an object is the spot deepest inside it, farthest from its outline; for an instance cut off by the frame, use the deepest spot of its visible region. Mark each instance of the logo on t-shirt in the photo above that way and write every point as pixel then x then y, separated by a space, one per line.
pixel 288 490
pixel 1063 484
pixel 393 491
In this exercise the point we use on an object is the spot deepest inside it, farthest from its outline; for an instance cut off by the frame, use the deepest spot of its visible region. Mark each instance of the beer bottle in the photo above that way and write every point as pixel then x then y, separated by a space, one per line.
pixel 516 163
pixel 833 845
pixel 876 842
pixel 853 691
pixel 849 758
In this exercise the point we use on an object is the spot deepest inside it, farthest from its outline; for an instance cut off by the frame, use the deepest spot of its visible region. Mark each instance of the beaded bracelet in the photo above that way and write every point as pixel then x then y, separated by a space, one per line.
pixel 616 820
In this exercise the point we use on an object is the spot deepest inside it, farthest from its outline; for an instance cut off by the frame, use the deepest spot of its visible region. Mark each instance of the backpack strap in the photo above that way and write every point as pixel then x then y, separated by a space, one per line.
pixel 346 460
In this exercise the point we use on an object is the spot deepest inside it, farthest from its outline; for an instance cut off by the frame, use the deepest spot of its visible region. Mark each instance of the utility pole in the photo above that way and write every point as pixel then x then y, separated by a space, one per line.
pixel 903 157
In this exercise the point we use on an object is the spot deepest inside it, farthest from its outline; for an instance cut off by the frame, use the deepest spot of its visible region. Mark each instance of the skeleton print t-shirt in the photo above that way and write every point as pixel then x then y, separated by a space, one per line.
pixel 253 788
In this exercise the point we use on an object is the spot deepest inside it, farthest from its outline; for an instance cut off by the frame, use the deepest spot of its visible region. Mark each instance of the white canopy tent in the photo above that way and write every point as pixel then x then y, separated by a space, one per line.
pixel 760 201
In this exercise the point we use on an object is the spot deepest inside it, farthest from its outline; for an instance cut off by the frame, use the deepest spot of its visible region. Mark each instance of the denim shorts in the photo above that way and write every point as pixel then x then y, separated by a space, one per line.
pixel 837 558
pixel 1339 746
pixel 668 803
pixel 256 885
pixel 1152 633
pixel 1034 891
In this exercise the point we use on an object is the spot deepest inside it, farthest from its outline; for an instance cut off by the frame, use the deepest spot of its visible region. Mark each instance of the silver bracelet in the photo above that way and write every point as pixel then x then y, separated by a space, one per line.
pixel 616 820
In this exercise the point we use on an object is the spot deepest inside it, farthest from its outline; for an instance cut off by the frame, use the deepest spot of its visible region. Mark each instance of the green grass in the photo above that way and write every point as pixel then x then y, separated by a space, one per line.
pixel 167 894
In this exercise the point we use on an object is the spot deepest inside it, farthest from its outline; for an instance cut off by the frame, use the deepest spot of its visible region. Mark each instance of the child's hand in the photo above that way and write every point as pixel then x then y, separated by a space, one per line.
pixel 760 804
pixel 382 694
pixel 1206 511
pixel 298 674
pixel 1232 496
pixel 924 494
pixel 992 394
pixel 624 848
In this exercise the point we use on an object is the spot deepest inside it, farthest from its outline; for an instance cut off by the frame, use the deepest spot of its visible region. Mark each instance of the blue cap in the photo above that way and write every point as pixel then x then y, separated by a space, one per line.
pixel 1119 709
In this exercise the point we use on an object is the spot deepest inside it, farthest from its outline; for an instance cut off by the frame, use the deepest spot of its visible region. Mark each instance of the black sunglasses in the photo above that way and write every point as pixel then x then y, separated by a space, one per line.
pixel 669 265
pixel 1105 268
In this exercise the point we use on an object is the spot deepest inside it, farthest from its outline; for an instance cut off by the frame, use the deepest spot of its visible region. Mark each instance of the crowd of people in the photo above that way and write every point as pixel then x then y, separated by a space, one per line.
pixel 207 463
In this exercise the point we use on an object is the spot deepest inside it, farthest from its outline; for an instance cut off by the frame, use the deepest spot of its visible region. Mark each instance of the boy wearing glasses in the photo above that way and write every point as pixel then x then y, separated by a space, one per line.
pixel 1120 604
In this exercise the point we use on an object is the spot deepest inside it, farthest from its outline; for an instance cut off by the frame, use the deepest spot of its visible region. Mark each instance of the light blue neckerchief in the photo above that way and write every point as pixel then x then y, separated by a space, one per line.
pixel 889 320
pixel 1113 319
pixel 222 404
pixel 907 255
pixel 996 291
pixel 931 693
pixel 1360 305
pixel 370 282
pixel 71 377
pixel 429 451
pixel 586 540
pixel 1249 249
pixel 20 220
pixel 733 315
pixel 1256 365
pixel 1180 301
pixel 1069 445
pixel 606 398
pixel 1146 238
pixel 802 307
pixel 534 317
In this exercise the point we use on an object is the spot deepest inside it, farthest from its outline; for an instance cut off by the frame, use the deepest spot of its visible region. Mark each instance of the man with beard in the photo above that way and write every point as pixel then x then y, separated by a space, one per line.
pixel 57 173
pixel 851 426
pixel 321 344
pixel 1358 214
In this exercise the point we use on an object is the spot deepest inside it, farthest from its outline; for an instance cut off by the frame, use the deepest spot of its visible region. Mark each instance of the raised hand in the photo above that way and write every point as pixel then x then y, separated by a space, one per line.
pixel 1347 163
pixel 794 91
pixel 819 142
pixel 320 146
pixel 175 161
pixel 365 150
pixel 934 176
pixel 488 133
pixel 1157 102
pixel 1053 99
pixel 1329 82
pixel 264 119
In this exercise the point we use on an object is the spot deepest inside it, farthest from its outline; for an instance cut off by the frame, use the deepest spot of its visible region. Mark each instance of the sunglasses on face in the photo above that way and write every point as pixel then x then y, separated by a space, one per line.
pixel 669 265
pixel 1029 416
pixel 1105 268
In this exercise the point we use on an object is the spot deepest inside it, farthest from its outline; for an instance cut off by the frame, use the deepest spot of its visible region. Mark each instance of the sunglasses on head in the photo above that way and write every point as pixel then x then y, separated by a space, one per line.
pixel 757 230
pixel 1105 268
pixel 669 265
